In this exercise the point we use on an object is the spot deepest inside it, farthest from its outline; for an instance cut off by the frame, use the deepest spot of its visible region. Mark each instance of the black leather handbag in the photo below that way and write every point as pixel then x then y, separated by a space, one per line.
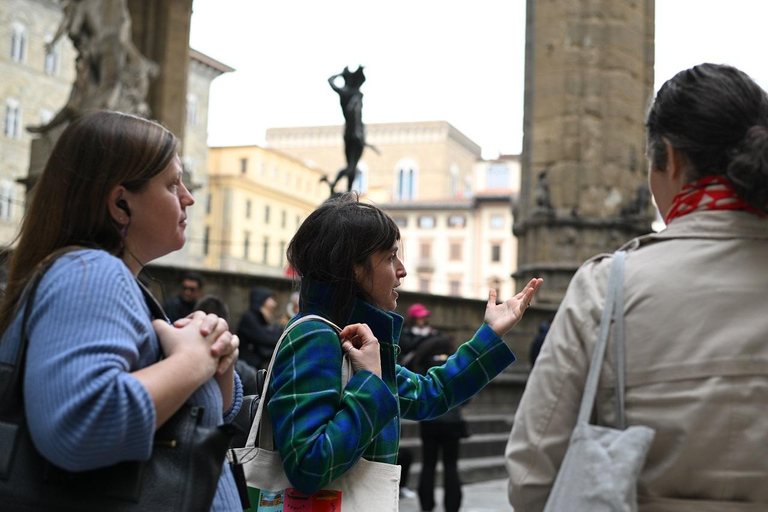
pixel 244 417
pixel 182 474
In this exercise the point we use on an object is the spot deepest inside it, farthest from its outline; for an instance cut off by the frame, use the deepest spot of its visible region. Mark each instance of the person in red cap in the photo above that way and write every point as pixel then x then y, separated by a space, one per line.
pixel 416 331
pixel 422 347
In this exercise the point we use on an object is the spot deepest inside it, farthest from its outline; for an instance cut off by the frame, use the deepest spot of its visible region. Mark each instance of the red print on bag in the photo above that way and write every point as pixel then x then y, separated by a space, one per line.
pixel 321 501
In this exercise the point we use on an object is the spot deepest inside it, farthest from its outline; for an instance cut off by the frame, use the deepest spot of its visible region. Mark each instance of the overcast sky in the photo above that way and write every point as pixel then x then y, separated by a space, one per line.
pixel 425 60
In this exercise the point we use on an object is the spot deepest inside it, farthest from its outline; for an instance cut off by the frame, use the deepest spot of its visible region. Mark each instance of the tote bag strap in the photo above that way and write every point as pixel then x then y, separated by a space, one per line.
pixel 618 345
pixel 264 433
pixel 615 280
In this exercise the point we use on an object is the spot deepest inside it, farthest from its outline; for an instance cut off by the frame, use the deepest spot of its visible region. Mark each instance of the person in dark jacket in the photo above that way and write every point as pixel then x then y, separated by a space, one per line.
pixel 441 435
pixel 538 341
pixel 213 304
pixel 257 332
pixel 417 330
pixel 184 304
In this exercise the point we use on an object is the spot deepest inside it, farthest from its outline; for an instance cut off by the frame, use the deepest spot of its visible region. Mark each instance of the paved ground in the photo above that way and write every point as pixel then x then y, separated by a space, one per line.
pixel 481 497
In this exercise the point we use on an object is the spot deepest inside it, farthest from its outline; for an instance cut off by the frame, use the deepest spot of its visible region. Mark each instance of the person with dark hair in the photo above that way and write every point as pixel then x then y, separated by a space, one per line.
pixel 696 358
pixel 95 387
pixel 257 330
pixel 538 341
pixel 346 253
pixel 183 304
pixel 213 304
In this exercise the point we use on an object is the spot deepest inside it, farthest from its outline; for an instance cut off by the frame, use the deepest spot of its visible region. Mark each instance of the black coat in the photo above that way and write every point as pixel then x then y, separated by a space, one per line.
pixel 178 308
pixel 257 337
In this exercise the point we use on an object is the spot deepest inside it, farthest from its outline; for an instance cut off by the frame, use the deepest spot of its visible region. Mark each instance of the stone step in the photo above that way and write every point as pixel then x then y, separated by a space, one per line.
pixel 478 424
pixel 471 470
pixel 475 446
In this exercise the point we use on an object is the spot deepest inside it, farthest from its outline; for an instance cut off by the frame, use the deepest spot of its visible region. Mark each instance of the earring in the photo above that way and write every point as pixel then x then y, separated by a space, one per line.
pixel 124 228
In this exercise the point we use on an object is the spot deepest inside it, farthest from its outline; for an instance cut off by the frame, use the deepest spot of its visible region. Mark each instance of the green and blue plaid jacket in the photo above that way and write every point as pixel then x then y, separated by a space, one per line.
pixel 321 431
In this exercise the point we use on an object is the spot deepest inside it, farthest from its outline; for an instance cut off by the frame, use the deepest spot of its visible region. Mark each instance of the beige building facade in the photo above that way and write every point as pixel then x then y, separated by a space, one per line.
pixel 34 85
pixel 453 208
pixel 459 248
pixel 202 71
pixel 463 247
pixel 417 161
pixel 256 200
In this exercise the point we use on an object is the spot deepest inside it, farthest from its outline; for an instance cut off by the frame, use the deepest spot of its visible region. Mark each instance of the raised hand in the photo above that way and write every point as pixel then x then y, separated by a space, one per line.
pixel 358 341
pixel 502 317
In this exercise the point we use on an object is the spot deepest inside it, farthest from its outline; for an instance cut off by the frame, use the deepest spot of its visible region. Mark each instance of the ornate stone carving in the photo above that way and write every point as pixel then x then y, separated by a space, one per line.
pixel 111 73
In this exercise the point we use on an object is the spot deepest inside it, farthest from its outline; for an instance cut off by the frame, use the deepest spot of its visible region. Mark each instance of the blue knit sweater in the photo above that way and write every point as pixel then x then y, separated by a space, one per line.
pixel 88 329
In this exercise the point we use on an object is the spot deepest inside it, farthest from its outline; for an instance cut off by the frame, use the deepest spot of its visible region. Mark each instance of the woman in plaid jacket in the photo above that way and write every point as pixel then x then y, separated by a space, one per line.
pixel 346 255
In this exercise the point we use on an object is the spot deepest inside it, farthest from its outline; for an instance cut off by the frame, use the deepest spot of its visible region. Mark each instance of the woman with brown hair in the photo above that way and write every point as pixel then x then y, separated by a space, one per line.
pixel 95 387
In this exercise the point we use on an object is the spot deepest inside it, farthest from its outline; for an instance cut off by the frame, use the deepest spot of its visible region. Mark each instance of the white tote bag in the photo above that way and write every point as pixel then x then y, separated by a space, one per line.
pixel 602 464
pixel 368 486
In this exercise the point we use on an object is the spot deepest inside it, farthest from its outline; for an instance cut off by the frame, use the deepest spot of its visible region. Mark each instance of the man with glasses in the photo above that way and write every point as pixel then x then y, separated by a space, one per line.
pixel 183 304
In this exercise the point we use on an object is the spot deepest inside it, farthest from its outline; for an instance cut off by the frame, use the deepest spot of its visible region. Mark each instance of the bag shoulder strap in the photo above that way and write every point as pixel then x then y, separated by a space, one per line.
pixel 615 286
pixel 154 306
pixel 265 437
pixel 12 375
pixel 619 348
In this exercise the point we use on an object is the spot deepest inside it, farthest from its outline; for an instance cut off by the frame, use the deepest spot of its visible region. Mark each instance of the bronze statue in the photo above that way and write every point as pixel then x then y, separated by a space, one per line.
pixel 351 100
pixel 111 73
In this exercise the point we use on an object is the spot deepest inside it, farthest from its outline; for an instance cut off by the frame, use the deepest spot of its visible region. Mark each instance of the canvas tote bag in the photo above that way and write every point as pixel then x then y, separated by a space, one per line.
pixel 368 486
pixel 602 464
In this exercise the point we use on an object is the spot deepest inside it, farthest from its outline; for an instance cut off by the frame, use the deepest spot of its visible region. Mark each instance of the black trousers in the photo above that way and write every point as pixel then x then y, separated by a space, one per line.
pixel 435 437
pixel 404 458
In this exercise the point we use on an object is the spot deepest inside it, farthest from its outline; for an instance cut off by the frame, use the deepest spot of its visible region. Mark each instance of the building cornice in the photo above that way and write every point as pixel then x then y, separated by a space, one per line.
pixel 210 62
pixel 377 134
pixel 273 151
pixel 428 205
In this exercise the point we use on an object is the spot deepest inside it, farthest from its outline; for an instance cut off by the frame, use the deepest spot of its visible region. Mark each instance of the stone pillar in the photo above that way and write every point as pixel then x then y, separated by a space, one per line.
pixel 161 33
pixel 588 83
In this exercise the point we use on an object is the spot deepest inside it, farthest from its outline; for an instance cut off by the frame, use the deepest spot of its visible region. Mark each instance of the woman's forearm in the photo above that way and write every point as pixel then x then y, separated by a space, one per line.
pixel 226 383
pixel 170 383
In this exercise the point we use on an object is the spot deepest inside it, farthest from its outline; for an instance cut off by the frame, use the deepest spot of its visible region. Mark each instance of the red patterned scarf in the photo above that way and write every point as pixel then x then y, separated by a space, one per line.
pixel 709 193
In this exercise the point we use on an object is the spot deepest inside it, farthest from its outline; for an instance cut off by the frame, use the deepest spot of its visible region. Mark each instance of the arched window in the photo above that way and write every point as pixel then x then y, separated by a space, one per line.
pixel 360 185
pixel 18 42
pixel 406 176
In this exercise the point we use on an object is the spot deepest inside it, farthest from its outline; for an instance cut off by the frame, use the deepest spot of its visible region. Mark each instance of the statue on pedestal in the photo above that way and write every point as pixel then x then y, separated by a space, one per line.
pixel 351 100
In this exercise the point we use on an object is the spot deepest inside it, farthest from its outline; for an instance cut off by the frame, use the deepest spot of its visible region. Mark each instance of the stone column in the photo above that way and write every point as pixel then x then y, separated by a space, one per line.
pixel 588 83
pixel 161 33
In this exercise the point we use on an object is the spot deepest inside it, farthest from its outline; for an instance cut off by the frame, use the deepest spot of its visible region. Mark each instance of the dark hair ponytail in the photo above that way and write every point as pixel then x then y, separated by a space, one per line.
pixel 748 170
pixel 716 116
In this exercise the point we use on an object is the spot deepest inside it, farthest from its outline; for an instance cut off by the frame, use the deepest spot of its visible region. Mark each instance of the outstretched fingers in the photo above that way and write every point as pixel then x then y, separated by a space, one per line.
pixel 491 298
pixel 526 295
